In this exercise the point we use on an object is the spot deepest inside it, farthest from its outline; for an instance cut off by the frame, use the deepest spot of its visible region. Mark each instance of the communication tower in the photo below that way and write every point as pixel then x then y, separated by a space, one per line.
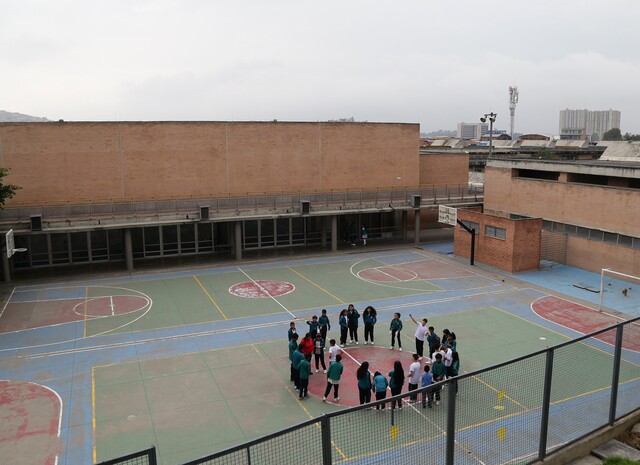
pixel 513 100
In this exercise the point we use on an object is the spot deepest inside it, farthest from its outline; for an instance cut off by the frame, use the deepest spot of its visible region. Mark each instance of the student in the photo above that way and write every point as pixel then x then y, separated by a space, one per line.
pixel 445 335
pixel 396 380
pixel 433 341
pixel 427 380
pixel 438 371
pixel 394 328
pixel 313 327
pixel 421 331
pixel 452 343
pixel 343 327
pixel 305 372
pixel 333 378
pixel 455 369
pixel 352 320
pixel 307 345
pixel 324 323
pixel 293 345
pixel 292 330
pixel 295 363
pixel 334 350
pixel 447 359
pixel 318 352
pixel 369 319
pixel 380 385
pixel 414 377
pixel 364 234
pixel 364 383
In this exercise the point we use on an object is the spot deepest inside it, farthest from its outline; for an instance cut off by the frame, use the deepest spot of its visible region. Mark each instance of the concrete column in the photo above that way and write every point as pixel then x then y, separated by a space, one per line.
pixel 416 232
pixel 405 217
pixel 323 235
pixel 334 233
pixel 5 267
pixel 128 249
pixel 238 239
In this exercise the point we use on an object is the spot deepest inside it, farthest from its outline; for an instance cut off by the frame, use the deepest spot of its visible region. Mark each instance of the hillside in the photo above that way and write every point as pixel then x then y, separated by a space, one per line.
pixel 9 117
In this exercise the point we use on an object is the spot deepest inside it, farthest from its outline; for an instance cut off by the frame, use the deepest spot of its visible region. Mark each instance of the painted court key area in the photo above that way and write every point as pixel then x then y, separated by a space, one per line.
pixel 261 289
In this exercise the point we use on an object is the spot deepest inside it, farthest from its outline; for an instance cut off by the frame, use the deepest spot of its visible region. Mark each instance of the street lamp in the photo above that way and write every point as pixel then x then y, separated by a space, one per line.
pixel 492 118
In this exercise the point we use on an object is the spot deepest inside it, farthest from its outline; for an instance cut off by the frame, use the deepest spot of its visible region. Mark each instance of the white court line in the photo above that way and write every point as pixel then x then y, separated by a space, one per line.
pixel 380 271
pixel 111 305
pixel 116 345
pixel 266 292
pixel 7 302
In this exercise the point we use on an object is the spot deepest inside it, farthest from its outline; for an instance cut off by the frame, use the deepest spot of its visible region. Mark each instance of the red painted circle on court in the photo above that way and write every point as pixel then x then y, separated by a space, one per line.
pixel 261 289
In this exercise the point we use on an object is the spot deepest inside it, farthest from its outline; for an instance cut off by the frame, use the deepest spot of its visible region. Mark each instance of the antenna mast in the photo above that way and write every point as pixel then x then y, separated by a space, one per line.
pixel 513 100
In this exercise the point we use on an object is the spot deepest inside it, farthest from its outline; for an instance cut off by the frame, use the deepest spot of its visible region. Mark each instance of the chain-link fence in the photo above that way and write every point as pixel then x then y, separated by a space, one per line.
pixel 144 457
pixel 516 412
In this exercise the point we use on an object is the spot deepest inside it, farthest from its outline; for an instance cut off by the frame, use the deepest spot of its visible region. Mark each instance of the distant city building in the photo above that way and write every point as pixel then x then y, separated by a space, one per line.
pixel 594 123
pixel 472 130
pixel 573 134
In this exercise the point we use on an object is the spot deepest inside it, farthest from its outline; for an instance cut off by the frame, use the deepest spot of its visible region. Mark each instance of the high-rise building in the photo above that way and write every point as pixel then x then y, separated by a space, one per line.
pixel 593 123
pixel 472 130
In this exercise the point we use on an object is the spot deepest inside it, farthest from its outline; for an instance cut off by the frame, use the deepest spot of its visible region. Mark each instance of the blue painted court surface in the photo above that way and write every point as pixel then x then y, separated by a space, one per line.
pixel 194 368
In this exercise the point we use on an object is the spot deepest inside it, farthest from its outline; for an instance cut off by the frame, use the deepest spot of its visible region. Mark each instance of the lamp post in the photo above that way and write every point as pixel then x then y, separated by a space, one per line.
pixel 492 118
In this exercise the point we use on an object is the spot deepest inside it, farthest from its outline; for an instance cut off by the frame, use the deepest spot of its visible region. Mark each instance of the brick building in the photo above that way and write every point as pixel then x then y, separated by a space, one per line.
pixel 115 191
pixel 589 209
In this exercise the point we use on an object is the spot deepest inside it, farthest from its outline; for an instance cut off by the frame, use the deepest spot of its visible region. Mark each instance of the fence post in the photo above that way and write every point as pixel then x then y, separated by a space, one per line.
pixel 153 458
pixel 451 423
pixel 616 375
pixel 326 440
pixel 546 400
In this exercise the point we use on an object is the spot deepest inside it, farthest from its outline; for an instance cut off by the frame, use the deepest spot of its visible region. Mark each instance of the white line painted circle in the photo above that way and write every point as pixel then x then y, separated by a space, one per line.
pixel 261 289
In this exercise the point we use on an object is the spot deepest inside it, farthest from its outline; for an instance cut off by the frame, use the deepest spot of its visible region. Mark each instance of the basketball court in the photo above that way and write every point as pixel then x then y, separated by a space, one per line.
pixel 195 361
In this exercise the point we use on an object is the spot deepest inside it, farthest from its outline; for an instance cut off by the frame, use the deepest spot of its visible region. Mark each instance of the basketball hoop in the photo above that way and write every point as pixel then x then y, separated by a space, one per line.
pixel 11 246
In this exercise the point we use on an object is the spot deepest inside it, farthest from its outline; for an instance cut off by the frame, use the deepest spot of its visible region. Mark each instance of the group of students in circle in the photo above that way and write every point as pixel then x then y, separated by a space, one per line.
pixel 442 362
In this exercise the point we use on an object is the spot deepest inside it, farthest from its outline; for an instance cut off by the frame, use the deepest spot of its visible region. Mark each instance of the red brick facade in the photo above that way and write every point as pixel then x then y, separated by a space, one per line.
pixel 519 250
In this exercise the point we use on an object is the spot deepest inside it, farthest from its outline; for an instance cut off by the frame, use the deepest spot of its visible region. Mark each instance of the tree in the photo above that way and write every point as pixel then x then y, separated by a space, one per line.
pixel 612 134
pixel 631 137
pixel 7 191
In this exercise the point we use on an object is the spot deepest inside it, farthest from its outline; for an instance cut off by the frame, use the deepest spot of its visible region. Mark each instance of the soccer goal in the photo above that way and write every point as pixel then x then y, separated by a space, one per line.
pixel 619 290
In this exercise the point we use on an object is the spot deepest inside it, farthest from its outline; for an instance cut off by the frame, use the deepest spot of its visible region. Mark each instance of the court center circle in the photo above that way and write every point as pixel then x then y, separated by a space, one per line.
pixel 261 289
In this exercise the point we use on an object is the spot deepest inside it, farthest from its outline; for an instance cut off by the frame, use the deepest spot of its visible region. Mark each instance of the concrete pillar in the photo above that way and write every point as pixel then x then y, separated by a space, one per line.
pixel 5 267
pixel 238 239
pixel 416 232
pixel 323 236
pixel 128 249
pixel 334 233
pixel 405 219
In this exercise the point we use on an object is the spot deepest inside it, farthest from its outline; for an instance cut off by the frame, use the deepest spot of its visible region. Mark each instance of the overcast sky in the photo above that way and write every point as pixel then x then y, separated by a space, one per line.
pixel 434 62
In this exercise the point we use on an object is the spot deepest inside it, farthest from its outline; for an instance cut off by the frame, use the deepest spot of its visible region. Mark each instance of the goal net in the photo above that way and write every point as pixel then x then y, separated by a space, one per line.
pixel 619 291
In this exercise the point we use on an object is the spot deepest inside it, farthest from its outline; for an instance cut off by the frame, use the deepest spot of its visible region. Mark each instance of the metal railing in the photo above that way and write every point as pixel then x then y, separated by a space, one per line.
pixel 516 412
pixel 144 457
pixel 267 202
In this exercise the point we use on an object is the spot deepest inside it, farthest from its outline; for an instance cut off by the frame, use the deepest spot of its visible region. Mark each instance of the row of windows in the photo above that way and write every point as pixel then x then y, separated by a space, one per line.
pixel 50 249
pixel 489 231
pixel 592 234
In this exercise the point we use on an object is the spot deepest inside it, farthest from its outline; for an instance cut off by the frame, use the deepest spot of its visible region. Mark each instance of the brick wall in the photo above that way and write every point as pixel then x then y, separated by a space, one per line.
pixel 518 252
pixel 93 161
pixel 451 169
pixel 594 256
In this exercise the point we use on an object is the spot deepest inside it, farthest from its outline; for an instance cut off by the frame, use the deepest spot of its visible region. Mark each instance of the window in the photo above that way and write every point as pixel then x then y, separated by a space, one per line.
pixel 493 231
pixel 471 225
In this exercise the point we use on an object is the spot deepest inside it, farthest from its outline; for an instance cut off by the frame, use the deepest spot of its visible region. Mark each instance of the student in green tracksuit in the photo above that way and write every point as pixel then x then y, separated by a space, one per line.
pixel 293 345
pixel 304 370
pixel 325 324
pixel 333 378
pixel 439 370
pixel 395 327
pixel 455 369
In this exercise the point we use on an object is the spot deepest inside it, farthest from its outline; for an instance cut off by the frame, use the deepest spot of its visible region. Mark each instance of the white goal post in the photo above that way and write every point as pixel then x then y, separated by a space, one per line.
pixel 625 284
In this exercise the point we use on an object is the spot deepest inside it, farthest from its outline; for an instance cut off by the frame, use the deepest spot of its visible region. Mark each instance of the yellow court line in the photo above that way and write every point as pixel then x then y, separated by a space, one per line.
pixel 316 285
pixel 497 391
pixel 86 303
pixel 210 298
pixel 93 413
